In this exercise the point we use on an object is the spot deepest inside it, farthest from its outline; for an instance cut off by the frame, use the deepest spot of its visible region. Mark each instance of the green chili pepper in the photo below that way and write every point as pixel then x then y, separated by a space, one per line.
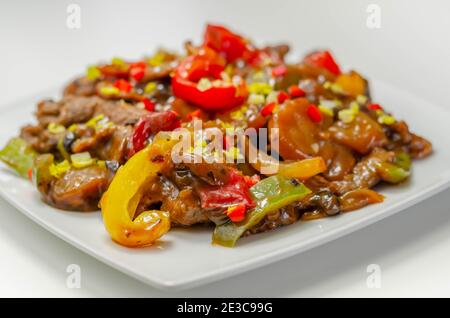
pixel 269 195
pixel 18 155
pixel 392 173
pixel 403 160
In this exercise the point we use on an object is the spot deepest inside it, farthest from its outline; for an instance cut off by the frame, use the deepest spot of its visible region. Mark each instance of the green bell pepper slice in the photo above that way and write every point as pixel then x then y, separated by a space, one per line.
pixel 269 195
pixel 18 155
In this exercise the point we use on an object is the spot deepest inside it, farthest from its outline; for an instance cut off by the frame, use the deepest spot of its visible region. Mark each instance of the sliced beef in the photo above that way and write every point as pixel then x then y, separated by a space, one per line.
pixel 81 87
pixel 78 189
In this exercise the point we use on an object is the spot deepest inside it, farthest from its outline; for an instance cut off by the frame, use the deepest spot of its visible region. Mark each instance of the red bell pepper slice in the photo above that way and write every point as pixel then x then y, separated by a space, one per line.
pixel 151 124
pixel 206 63
pixel 323 59
pixel 222 40
pixel 234 192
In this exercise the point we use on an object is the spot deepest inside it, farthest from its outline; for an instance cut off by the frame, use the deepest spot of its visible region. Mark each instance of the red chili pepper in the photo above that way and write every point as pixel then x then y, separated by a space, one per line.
pixel 234 192
pixel 268 109
pixel 137 70
pixel 192 115
pixel 323 59
pixel 151 124
pixel 280 70
pixel 148 104
pixel 236 213
pixel 251 181
pixel 374 107
pixel 123 85
pixel 282 97
pixel 207 63
pixel 295 91
pixel 30 174
pixel 222 40
pixel 314 113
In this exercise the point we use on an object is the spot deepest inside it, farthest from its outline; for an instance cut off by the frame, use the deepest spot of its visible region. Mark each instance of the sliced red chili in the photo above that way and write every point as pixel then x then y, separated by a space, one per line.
pixel 123 85
pixel 374 107
pixel 235 192
pixel 137 70
pixel 194 114
pixel 148 104
pixel 222 40
pixel 268 109
pixel 314 113
pixel 323 59
pixel 279 71
pixel 236 213
pixel 295 91
pixel 282 97
pixel 151 124
pixel 206 64
pixel 30 174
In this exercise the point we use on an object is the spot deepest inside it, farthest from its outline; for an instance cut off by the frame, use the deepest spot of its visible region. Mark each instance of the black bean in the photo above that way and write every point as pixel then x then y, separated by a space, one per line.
pixel 112 165
pixel 68 140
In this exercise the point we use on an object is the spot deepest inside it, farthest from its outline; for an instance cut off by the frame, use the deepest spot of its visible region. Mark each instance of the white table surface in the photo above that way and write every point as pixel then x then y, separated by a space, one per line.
pixel 410 50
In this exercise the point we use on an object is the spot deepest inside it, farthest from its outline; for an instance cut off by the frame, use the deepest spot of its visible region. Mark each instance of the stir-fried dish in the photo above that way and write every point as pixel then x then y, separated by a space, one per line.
pixel 109 142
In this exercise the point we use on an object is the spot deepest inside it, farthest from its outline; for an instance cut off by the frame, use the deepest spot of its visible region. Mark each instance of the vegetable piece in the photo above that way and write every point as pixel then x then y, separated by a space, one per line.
pixel 120 201
pixel 234 192
pixel 359 198
pixel 323 59
pixel 403 160
pixel 81 160
pixel 231 45
pixel 303 169
pixel 236 213
pixel 270 195
pixel 151 124
pixel 295 91
pixel 206 64
pixel 391 173
pixel 282 97
pixel 92 73
pixel 268 109
pixel 374 107
pixel 123 85
pixel 148 104
pixel 362 134
pixel 18 155
pixel 279 71
pixel 59 169
pixel 137 70
pixel 351 83
pixel 314 113
pixel 297 133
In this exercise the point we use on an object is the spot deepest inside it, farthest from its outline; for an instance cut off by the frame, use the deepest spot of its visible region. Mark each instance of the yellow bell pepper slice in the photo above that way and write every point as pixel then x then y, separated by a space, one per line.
pixel 119 203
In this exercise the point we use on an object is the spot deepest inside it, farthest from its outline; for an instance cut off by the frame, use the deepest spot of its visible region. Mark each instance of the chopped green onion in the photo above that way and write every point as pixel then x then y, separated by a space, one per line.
pixel 57 170
pixel 157 59
pixel 361 99
pixel 256 99
pixel 81 160
pixel 386 119
pixel 260 88
pixel 109 90
pixel 118 61
pixel 92 73
pixel 204 84
pixel 326 110
pixel 54 128
pixel 346 115
pixel 150 87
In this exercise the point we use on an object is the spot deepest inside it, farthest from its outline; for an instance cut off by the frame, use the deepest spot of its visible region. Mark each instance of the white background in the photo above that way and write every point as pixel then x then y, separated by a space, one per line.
pixel 411 50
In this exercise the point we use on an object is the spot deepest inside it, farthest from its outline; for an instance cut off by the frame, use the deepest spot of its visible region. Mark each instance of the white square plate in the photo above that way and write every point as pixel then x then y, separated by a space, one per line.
pixel 185 258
